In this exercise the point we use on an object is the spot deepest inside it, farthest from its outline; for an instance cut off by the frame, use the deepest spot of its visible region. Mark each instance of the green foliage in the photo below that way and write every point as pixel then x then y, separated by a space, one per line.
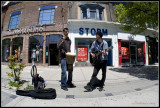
pixel 16 69
pixel 29 88
pixel 135 16
pixel 14 84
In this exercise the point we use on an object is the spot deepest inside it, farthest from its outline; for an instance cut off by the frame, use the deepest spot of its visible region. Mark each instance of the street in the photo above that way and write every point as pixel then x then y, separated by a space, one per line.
pixel 121 87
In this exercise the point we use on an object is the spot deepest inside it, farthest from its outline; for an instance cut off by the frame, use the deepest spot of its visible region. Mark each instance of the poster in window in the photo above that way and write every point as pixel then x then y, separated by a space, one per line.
pixel 125 53
pixel 139 51
pixel 82 54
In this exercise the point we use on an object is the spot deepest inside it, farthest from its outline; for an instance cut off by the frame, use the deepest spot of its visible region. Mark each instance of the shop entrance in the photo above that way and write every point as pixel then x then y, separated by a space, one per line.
pixel 133 54
pixel 53 54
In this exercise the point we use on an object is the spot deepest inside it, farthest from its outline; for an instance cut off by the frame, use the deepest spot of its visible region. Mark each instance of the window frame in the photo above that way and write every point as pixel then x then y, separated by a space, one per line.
pixel 43 10
pixel 88 8
pixel 15 15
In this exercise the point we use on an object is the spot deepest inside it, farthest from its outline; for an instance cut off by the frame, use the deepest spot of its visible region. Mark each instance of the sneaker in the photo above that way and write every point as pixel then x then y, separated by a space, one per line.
pixel 101 88
pixel 64 88
pixel 88 88
pixel 71 85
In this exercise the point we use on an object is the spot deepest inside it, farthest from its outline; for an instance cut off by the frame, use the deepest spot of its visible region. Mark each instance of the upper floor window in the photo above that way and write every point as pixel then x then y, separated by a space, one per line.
pixel 47 15
pixel 92 11
pixel 14 19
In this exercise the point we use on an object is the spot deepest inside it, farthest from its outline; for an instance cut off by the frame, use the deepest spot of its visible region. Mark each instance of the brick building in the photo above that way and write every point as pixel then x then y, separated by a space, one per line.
pixel 32 25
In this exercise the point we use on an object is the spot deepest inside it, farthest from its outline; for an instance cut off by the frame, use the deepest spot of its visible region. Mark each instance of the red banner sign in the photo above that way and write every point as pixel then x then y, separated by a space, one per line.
pixel 125 53
pixel 82 54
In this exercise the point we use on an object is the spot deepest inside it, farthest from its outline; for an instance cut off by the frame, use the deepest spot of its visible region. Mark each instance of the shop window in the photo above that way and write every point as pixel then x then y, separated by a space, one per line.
pixel 14 20
pixel 51 39
pixel 82 48
pixel 17 46
pixel 92 11
pixel 5 49
pixel 46 15
pixel 125 54
pixel 36 42
pixel 140 54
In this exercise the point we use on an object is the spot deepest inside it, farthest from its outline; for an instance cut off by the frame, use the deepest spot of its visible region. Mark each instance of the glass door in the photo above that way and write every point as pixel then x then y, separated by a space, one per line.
pixel 133 54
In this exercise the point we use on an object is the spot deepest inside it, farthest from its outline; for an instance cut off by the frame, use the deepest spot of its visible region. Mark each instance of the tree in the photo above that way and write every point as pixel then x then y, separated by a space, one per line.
pixel 136 16
pixel 15 73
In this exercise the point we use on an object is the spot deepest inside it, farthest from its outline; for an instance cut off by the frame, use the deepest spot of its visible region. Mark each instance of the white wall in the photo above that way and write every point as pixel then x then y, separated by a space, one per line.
pixel 114 33
pixel 74 33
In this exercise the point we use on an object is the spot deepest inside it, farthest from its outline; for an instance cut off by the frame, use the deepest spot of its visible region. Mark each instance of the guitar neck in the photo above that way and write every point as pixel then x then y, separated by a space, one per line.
pixel 109 48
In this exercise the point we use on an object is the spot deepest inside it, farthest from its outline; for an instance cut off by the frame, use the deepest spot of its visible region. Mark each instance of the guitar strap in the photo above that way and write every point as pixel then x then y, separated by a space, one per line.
pixel 100 47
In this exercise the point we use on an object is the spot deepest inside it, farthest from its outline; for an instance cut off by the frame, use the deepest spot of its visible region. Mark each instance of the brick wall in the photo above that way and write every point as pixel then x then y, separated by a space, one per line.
pixel 30 13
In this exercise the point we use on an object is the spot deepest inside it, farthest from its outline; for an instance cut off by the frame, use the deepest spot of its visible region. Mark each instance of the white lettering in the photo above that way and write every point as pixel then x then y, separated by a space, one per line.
pixel 28 30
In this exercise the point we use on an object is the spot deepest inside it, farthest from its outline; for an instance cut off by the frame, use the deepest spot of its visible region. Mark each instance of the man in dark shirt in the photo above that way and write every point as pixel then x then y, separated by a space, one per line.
pixel 64 46
pixel 98 45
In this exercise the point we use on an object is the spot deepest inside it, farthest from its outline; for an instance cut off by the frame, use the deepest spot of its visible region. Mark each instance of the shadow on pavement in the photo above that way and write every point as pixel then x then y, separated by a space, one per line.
pixel 148 72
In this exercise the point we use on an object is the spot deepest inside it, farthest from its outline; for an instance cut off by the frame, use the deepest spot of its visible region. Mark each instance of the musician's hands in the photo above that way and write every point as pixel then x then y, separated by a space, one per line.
pixel 93 55
pixel 104 53
pixel 64 37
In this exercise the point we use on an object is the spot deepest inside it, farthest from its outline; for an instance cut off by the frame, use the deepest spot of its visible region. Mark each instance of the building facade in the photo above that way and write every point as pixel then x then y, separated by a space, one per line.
pixel 86 18
pixel 33 25
pixel 38 25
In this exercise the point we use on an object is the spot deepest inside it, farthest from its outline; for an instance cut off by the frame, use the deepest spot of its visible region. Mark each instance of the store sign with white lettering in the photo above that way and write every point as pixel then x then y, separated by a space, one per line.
pixel 27 30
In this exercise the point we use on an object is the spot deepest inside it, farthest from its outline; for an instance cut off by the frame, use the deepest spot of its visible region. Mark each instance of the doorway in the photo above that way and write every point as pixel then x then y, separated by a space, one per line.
pixel 53 54
pixel 133 54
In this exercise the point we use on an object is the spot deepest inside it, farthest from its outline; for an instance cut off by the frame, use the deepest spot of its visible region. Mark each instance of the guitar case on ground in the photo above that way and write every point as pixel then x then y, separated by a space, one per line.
pixel 48 93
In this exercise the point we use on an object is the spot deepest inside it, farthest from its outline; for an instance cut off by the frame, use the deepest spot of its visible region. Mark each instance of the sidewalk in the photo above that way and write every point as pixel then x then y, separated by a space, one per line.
pixel 121 89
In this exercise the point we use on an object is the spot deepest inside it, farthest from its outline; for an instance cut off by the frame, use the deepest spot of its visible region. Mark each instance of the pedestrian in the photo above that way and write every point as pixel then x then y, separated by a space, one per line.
pixel 63 46
pixel 99 45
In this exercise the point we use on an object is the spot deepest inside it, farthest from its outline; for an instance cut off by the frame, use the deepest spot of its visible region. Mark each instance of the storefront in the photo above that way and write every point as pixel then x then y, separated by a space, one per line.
pixel 152 49
pixel 21 44
pixel 82 35
pixel 131 49
pixel 128 50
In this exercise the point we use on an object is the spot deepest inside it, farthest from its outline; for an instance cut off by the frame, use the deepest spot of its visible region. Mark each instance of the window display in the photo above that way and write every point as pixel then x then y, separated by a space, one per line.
pixel 5 50
pixel 7 54
pixel 125 53
pixel 36 42
pixel 140 54
pixel 132 53
pixel 17 45
pixel 16 54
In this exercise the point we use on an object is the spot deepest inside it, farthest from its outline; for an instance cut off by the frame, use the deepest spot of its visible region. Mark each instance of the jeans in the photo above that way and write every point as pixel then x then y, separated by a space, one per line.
pixel 97 67
pixel 63 73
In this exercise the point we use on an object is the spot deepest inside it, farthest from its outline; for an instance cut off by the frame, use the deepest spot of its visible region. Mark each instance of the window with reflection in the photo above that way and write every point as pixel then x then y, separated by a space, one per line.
pixel 125 53
pixel 14 21
pixel 140 54
pixel 92 11
pixel 36 42
pixel 17 46
pixel 5 49
pixel 46 15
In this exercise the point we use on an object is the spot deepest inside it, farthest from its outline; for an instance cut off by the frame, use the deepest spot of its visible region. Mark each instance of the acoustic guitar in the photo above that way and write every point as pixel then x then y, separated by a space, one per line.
pixel 96 59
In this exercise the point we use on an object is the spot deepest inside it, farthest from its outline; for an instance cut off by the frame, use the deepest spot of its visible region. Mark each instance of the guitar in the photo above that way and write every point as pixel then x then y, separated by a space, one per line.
pixel 96 59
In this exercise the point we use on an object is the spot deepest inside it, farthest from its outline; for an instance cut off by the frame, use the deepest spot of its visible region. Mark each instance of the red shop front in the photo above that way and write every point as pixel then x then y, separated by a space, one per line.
pixel 131 53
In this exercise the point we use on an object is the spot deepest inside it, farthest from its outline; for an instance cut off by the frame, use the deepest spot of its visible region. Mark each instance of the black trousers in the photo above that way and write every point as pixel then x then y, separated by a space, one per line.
pixel 97 67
